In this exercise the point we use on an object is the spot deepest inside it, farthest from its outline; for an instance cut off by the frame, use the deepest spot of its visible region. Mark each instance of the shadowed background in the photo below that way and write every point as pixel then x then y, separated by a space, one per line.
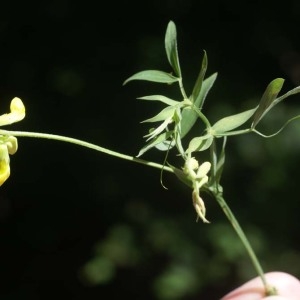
pixel 79 224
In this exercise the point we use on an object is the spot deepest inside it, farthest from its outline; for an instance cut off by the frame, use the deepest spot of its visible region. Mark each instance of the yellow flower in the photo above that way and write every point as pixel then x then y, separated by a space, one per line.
pixel 17 112
pixel 9 144
pixel 4 164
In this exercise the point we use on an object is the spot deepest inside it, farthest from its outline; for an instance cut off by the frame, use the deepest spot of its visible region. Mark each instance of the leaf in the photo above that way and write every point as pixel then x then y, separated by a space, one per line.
pixel 266 102
pixel 165 145
pixel 154 76
pixel 200 143
pixel 198 85
pixel 166 113
pixel 231 122
pixel 154 132
pixel 206 86
pixel 171 48
pixel 161 98
pixel 189 116
pixel 158 140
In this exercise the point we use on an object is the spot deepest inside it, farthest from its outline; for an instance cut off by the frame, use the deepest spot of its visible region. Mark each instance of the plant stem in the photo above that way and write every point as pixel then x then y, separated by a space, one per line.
pixel 86 145
pixel 182 88
pixel 269 290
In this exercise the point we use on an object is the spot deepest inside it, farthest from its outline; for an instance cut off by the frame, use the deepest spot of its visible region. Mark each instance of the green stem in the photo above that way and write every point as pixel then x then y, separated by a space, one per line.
pixel 182 88
pixel 202 117
pixel 269 290
pixel 236 132
pixel 86 145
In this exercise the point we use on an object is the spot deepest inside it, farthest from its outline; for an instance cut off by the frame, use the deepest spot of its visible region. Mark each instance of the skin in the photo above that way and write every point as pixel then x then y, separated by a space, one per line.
pixel 288 288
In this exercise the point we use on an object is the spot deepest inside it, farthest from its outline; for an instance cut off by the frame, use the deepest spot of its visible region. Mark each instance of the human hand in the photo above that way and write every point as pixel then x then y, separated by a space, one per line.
pixel 287 286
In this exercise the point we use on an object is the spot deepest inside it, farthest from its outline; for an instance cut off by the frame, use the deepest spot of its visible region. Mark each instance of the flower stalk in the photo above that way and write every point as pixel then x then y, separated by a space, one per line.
pixel 85 144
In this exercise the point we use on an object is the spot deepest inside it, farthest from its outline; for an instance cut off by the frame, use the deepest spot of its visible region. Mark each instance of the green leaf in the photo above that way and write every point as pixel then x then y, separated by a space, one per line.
pixel 200 143
pixel 156 131
pixel 157 140
pixel 171 48
pixel 198 85
pixel 165 145
pixel 161 98
pixel 154 76
pixel 189 116
pixel 232 122
pixel 162 115
pixel 206 86
pixel 266 102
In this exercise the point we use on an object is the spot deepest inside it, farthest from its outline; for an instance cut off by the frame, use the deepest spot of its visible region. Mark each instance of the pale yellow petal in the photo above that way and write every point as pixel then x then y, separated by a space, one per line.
pixel 17 112
pixel 192 163
pixel 12 144
pixel 203 169
pixel 4 164
pixel 199 206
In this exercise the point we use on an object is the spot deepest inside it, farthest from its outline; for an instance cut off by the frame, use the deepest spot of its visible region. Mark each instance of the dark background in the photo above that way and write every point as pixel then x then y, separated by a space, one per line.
pixel 78 224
